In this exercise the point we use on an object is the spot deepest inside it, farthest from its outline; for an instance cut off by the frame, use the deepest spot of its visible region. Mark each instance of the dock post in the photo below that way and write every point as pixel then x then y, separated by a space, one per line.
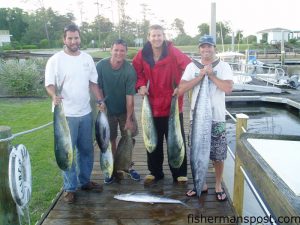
pixel 8 209
pixel 238 193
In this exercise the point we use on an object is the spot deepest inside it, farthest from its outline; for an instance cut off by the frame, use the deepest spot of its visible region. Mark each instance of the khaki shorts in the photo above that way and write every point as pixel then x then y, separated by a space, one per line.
pixel 114 121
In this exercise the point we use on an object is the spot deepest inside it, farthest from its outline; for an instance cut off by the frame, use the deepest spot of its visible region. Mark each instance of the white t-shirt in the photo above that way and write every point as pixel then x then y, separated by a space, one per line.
pixel 76 72
pixel 223 72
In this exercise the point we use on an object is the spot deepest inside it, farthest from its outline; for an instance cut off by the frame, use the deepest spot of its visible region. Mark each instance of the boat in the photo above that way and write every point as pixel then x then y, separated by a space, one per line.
pixel 237 62
pixel 247 68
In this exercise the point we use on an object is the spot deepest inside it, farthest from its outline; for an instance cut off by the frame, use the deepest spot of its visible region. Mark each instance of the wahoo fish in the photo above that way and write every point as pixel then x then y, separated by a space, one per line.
pixel 201 134
pixel 149 131
pixel 63 148
pixel 102 131
pixel 146 198
pixel 123 157
pixel 175 144
pixel 107 161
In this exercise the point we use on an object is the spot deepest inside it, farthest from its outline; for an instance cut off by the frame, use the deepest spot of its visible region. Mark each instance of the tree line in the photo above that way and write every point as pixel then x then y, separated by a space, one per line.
pixel 43 29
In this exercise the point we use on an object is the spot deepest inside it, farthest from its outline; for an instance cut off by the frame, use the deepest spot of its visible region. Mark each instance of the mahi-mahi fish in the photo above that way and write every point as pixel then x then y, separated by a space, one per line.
pixel 102 131
pixel 201 132
pixel 175 144
pixel 148 127
pixel 107 161
pixel 62 138
pixel 146 198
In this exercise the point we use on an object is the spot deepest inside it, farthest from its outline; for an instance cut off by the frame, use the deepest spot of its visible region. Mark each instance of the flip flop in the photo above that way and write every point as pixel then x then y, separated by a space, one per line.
pixel 219 196
pixel 193 192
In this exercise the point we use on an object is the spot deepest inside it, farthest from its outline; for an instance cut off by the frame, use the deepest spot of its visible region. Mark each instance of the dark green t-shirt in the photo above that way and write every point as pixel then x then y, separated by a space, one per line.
pixel 116 84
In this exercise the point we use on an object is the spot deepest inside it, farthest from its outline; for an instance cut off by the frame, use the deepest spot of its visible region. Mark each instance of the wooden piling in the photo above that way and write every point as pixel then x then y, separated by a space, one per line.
pixel 8 209
pixel 238 194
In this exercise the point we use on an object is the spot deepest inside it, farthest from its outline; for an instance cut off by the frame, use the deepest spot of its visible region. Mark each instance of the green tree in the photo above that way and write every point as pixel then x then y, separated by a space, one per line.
pixel 46 24
pixel 184 39
pixel 203 29
pixel 98 30
pixel 223 30
pixel 14 21
pixel 178 26
pixel 239 37
pixel 251 39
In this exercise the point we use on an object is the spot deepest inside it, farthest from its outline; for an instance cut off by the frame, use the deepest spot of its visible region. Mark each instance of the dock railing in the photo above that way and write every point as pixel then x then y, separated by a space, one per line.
pixel 13 210
pixel 275 199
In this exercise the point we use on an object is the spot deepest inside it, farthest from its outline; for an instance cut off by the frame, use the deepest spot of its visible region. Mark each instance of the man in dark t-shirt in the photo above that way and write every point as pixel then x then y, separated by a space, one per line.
pixel 116 80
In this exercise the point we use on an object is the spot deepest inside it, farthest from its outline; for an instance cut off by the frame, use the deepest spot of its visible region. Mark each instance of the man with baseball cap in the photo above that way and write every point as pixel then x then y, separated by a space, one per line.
pixel 220 82
pixel 207 39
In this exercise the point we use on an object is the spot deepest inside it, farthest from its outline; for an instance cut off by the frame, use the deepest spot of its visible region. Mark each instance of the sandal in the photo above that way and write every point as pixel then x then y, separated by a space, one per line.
pixel 193 192
pixel 219 196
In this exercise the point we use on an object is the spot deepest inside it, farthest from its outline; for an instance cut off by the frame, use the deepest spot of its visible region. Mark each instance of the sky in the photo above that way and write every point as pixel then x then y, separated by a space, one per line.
pixel 250 16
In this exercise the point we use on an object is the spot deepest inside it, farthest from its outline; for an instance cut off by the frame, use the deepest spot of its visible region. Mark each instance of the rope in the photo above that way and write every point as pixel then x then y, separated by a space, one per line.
pixel 25 132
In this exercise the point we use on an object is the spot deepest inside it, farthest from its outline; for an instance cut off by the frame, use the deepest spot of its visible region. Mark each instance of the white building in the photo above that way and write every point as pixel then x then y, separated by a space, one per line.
pixel 275 35
pixel 4 37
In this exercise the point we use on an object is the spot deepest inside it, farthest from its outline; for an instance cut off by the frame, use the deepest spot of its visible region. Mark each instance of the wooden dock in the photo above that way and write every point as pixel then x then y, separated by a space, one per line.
pixel 101 208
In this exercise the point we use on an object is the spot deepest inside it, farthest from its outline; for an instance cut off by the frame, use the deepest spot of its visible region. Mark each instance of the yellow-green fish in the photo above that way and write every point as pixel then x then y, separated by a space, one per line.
pixel 107 161
pixel 175 144
pixel 62 139
pixel 149 131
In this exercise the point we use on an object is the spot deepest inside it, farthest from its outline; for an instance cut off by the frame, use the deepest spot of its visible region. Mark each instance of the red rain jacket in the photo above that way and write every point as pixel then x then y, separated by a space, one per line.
pixel 162 75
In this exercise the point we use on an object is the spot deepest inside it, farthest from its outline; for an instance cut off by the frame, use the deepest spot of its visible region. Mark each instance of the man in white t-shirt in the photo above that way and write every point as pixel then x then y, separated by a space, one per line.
pixel 77 71
pixel 220 82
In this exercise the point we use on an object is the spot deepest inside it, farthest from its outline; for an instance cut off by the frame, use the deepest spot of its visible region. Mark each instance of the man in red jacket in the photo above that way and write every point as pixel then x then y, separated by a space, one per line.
pixel 160 63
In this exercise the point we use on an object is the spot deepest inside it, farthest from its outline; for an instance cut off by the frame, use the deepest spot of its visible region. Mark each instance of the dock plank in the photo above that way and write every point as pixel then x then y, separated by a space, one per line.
pixel 102 208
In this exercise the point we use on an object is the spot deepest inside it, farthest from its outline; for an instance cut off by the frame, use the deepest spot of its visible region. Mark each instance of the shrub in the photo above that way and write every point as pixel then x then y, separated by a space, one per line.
pixel 22 78
pixel 44 43
pixel 29 47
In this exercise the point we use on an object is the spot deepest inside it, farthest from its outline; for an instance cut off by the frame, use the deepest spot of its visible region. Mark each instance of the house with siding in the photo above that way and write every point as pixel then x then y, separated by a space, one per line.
pixel 274 35
pixel 4 37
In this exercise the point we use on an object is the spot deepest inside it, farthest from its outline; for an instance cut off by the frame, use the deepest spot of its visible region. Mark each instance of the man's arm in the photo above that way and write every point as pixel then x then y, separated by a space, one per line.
pixel 224 85
pixel 96 91
pixel 52 93
pixel 185 86
pixel 129 109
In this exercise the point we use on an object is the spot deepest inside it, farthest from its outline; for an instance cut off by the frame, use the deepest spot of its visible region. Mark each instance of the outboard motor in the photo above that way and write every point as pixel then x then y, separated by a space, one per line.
pixel 294 81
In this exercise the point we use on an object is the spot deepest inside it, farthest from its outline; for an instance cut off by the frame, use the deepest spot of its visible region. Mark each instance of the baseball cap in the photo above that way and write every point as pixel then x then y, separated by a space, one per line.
pixel 207 39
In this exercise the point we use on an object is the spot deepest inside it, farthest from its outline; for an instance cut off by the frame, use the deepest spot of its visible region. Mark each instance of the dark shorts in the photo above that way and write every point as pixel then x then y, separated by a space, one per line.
pixel 114 121
pixel 218 148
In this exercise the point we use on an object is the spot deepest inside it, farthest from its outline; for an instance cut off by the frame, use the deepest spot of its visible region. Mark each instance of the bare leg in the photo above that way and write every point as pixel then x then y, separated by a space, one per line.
pixel 219 167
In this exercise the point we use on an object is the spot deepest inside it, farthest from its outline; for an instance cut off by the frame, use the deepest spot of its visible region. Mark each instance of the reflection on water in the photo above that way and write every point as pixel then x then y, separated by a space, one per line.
pixel 273 119
pixel 263 119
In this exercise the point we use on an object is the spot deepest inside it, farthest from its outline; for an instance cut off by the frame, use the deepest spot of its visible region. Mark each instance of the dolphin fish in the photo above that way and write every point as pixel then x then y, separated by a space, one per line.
pixel 62 138
pixel 149 131
pixel 102 131
pixel 175 144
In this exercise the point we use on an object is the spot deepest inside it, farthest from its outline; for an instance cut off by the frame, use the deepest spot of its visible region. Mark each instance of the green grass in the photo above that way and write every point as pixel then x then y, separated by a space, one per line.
pixel 188 48
pixel 26 114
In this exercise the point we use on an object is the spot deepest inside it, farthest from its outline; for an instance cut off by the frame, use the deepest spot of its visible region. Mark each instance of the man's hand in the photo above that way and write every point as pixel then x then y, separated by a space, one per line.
pixel 143 91
pixel 56 99
pixel 101 105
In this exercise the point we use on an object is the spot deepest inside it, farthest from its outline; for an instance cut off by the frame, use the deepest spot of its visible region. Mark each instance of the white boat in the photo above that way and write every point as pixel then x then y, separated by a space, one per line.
pixel 237 61
pixel 245 70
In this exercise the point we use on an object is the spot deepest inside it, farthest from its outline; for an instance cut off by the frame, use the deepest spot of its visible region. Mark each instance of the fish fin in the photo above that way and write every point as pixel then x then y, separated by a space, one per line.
pixel 184 202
